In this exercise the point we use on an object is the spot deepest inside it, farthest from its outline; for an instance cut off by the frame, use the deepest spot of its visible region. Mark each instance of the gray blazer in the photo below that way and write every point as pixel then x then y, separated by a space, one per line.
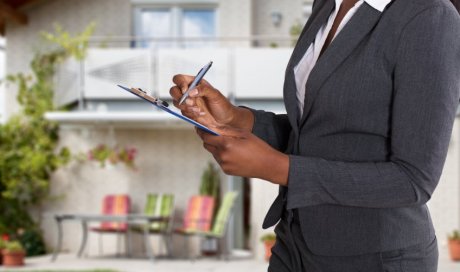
pixel 369 150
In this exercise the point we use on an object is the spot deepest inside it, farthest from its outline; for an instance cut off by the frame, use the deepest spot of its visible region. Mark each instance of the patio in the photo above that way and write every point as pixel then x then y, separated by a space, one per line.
pixel 68 262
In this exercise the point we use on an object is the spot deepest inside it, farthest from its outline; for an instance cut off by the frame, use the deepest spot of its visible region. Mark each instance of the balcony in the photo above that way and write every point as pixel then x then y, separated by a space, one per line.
pixel 251 76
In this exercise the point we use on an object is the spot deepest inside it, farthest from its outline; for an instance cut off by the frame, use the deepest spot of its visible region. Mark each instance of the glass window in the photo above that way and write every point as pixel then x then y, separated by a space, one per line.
pixel 174 22
pixel 154 23
pixel 198 23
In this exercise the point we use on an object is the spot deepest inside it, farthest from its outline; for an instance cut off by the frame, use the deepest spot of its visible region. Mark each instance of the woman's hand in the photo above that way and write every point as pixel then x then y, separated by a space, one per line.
pixel 241 153
pixel 208 106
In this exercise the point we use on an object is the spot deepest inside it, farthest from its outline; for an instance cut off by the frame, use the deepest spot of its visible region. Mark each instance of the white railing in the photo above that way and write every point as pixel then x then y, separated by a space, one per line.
pixel 244 67
pixel 246 73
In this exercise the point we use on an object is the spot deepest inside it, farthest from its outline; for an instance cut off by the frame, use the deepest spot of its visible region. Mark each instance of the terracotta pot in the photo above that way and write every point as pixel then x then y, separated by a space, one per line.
pixel 13 258
pixel 268 249
pixel 454 249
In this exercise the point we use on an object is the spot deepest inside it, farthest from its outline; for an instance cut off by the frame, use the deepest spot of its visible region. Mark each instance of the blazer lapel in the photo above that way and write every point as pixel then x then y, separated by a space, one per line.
pixel 365 19
pixel 308 35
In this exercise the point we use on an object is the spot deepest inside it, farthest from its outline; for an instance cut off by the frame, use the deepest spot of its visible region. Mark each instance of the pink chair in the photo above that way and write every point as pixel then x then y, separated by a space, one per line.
pixel 113 205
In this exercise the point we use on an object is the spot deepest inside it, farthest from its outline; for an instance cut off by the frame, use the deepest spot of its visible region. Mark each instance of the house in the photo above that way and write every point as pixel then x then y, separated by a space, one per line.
pixel 144 43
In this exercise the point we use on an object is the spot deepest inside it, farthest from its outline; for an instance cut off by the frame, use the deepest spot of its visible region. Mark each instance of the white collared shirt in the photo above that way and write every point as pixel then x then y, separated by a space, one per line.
pixel 305 66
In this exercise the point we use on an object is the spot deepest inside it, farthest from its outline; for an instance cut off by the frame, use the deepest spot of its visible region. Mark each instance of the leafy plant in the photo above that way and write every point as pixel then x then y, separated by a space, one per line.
pixel 13 247
pixel 455 235
pixel 210 182
pixel 29 151
pixel 32 241
pixel 2 244
pixel 268 237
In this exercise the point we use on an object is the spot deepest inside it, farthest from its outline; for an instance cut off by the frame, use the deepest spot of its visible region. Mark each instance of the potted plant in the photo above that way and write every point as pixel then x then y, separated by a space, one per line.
pixel 269 241
pixel 210 186
pixel 13 254
pixel 2 247
pixel 454 245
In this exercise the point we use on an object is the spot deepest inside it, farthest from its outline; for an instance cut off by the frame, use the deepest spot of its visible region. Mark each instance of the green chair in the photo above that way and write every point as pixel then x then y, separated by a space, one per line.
pixel 219 225
pixel 161 205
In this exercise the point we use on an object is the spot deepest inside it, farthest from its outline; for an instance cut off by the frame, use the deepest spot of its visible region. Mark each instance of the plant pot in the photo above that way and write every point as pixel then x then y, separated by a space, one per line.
pixel 268 249
pixel 13 258
pixel 454 250
pixel 209 247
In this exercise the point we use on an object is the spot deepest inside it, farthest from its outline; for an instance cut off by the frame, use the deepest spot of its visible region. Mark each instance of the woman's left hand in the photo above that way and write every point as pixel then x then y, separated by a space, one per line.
pixel 241 153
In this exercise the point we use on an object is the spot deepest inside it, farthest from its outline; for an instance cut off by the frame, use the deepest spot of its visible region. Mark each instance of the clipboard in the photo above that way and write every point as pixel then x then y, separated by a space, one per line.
pixel 164 107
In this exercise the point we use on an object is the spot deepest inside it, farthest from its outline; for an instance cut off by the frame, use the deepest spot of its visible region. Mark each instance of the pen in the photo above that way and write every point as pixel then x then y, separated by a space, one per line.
pixel 195 82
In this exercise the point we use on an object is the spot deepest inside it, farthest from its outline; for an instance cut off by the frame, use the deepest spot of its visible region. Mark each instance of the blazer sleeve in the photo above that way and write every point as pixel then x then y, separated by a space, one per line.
pixel 272 128
pixel 425 99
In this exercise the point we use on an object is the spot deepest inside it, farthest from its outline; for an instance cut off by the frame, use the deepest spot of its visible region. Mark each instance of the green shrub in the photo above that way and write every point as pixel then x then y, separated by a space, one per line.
pixel 13 247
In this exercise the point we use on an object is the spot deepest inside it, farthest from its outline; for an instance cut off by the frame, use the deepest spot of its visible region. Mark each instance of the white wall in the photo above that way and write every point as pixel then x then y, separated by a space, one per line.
pixel 444 205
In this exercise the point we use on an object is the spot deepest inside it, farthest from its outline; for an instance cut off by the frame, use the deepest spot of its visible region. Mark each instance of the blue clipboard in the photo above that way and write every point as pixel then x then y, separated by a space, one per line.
pixel 161 105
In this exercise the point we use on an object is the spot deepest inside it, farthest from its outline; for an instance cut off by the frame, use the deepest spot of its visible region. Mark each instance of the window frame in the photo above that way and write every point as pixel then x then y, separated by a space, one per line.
pixel 177 9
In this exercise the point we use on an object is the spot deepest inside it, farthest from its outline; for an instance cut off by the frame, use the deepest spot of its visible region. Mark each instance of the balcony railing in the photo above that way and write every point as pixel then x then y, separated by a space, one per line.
pixel 239 71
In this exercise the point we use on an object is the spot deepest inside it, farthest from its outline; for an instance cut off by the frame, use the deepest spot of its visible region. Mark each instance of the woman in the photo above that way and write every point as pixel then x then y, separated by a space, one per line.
pixel 371 92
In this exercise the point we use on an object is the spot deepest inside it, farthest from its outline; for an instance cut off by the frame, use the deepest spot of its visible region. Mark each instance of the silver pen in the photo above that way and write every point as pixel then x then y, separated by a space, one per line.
pixel 196 81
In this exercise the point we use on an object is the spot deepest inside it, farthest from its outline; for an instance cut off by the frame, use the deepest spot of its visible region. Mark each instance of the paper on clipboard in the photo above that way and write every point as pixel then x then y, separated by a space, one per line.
pixel 141 94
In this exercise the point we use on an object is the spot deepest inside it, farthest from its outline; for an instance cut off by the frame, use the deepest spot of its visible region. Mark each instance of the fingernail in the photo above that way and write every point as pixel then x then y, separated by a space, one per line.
pixel 202 113
pixel 194 92
pixel 189 101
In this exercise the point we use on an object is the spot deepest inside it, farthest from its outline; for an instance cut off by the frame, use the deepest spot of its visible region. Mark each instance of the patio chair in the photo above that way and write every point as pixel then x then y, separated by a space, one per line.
pixel 219 225
pixel 161 205
pixel 113 205
pixel 197 218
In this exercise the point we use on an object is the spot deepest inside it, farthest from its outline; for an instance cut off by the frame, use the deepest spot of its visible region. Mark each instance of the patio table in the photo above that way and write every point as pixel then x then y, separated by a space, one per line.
pixel 130 219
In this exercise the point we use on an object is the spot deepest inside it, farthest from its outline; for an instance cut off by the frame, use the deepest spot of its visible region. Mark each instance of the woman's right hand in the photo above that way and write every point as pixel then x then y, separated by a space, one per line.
pixel 208 106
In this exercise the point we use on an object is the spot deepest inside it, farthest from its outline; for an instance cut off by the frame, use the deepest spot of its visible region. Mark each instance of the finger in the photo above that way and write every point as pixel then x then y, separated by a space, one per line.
pixel 175 93
pixel 190 102
pixel 183 81
pixel 212 149
pixel 217 141
pixel 229 131
pixel 205 90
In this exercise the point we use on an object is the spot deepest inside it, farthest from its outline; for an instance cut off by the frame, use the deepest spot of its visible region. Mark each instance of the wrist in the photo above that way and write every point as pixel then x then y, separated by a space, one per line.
pixel 241 118
pixel 277 171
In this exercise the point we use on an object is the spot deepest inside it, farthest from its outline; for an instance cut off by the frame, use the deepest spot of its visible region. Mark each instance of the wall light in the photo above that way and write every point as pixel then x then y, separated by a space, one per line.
pixel 277 17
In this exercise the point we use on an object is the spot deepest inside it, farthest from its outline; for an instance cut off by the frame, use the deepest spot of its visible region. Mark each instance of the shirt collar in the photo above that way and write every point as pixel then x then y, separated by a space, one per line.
pixel 378 4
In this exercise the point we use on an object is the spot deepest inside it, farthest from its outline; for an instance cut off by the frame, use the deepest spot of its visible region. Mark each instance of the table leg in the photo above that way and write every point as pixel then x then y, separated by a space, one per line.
pixel 128 244
pixel 84 238
pixel 148 247
pixel 58 246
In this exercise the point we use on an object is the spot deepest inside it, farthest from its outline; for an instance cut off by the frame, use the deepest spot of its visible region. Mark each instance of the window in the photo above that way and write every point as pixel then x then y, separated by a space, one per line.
pixel 174 22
